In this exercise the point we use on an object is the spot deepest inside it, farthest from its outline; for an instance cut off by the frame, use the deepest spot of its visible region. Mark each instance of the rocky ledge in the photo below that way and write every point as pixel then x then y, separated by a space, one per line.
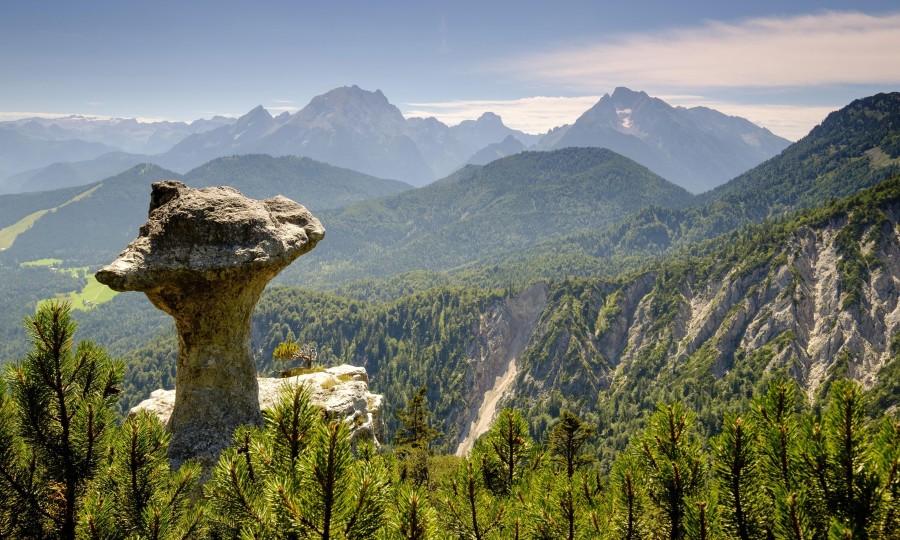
pixel 341 391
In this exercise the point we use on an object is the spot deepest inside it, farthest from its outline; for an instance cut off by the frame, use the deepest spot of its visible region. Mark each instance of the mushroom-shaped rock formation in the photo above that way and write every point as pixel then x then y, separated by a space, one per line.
pixel 204 257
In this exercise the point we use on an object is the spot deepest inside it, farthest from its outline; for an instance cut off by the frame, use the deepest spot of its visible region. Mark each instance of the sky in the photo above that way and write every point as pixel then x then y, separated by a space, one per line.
pixel 538 64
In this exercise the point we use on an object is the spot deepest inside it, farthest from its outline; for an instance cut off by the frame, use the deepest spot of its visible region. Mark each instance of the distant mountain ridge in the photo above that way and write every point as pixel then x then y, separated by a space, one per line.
pixel 697 148
pixel 352 128
pixel 478 211
pixel 125 134
pixel 94 229
pixel 63 174
pixel 20 151
pixel 507 147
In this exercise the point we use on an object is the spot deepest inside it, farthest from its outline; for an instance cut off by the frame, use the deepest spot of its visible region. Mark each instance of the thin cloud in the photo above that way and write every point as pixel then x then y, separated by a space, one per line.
pixel 531 115
pixel 789 121
pixel 8 116
pixel 275 111
pixel 820 49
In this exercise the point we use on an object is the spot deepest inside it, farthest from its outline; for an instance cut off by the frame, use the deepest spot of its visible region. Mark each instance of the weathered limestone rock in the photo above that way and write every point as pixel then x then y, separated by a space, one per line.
pixel 204 257
pixel 341 391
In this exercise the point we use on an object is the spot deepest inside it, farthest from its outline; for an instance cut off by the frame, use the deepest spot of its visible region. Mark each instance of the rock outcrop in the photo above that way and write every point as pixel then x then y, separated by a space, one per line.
pixel 499 338
pixel 785 309
pixel 204 257
pixel 341 391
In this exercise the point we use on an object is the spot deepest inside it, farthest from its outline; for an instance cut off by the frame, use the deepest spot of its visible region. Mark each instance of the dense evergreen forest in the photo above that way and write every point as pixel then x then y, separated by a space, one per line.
pixel 778 469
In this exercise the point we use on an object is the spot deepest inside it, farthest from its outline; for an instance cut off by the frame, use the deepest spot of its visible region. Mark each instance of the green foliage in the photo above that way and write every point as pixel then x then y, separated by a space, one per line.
pixel 55 421
pixel 566 441
pixel 674 466
pixel 297 477
pixel 136 495
pixel 21 289
pixel 508 445
pixel 412 517
pixel 629 498
pixel 415 422
pixel 737 466
pixel 468 507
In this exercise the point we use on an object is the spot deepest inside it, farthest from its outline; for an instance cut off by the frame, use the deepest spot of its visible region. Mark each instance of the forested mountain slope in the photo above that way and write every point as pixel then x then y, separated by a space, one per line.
pixel 479 211
pixel 814 298
pixel 94 229
pixel 855 147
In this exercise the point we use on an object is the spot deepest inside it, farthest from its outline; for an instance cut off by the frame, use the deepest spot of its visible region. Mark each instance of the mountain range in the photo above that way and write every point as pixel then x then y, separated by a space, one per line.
pixel 90 224
pixel 360 130
pixel 351 128
pixel 697 148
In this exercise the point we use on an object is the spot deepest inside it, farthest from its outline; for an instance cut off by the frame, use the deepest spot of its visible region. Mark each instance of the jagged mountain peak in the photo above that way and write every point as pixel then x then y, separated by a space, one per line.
pixel 257 113
pixel 624 94
pixel 490 118
pixel 351 106
pixel 696 149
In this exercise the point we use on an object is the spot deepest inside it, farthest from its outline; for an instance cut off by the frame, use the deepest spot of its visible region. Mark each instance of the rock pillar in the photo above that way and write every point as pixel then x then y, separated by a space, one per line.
pixel 204 257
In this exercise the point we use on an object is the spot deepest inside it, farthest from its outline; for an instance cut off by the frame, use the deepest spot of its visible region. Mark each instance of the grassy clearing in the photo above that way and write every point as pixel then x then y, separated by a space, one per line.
pixel 8 235
pixel 93 294
pixel 42 262
pixel 879 158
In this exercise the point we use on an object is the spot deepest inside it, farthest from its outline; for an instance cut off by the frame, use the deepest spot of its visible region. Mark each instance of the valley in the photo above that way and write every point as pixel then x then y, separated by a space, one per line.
pixel 450 271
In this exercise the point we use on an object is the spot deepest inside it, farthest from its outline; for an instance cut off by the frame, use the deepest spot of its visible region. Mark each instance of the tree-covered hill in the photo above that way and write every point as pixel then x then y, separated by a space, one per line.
pixel 92 230
pixel 853 148
pixel 510 203
pixel 15 207
pixel 314 184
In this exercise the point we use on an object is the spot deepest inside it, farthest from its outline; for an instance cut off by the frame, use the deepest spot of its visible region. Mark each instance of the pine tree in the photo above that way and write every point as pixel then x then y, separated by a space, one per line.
pixel 136 495
pixel 840 460
pixel 628 494
pixel 674 466
pixel 415 422
pixel 55 423
pixel 737 465
pixel 887 452
pixel 566 439
pixel 469 509
pixel 558 507
pixel 297 478
pixel 789 510
pixel 509 444
pixel 413 518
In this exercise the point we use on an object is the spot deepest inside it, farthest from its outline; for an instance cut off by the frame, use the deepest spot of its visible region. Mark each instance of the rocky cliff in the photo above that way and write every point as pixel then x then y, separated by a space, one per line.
pixel 813 298
pixel 341 392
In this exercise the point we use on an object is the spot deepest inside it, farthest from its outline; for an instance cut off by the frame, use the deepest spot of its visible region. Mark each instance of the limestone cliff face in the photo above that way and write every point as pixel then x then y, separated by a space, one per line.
pixel 821 303
pixel 498 338
pixel 798 304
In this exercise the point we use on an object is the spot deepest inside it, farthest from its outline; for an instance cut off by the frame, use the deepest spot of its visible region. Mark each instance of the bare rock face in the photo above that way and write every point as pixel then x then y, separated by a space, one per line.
pixel 341 391
pixel 204 257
